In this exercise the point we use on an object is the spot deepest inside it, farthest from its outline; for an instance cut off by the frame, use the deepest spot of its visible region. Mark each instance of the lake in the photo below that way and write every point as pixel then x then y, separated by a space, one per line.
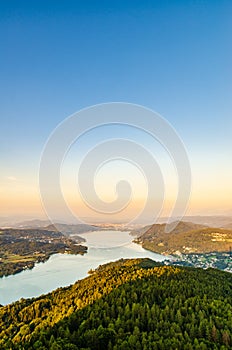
pixel 65 269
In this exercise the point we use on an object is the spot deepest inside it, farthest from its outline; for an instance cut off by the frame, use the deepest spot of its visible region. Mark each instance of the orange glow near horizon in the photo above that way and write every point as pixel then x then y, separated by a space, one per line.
pixel 211 193
pixel 27 202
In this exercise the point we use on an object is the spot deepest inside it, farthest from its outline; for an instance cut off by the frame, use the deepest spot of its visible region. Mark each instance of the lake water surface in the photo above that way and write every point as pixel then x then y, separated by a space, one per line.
pixel 64 269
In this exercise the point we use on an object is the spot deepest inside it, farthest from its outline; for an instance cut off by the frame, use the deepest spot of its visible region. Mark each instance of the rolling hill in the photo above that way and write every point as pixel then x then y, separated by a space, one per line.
pixel 186 238
pixel 128 304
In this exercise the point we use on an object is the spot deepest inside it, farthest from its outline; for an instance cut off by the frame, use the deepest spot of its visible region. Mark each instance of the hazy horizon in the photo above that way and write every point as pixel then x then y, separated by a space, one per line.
pixel 16 220
pixel 171 57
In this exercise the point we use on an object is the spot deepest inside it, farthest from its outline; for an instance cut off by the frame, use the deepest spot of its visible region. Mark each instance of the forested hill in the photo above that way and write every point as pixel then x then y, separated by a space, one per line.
pixel 186 238
pixel 129 304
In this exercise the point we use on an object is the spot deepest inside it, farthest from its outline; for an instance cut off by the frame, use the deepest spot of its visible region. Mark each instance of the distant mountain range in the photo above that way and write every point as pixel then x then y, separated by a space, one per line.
pixel 66 229
pixel 71 229
pixel 212 221
pixel 17 223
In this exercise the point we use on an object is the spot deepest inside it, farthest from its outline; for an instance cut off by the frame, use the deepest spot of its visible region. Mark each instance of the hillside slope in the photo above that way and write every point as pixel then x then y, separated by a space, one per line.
pixel 186 238
pixel 129 304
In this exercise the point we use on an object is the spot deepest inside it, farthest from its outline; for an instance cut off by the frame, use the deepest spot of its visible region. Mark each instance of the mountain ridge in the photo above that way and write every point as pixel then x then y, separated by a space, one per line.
pixel 186 238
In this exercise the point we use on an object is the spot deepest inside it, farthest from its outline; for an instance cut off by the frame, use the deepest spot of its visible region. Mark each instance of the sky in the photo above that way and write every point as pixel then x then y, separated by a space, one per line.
pixel 173 57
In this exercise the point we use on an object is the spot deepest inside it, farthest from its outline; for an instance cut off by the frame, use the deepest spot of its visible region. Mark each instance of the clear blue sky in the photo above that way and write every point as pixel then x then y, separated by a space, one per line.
pixel 60 56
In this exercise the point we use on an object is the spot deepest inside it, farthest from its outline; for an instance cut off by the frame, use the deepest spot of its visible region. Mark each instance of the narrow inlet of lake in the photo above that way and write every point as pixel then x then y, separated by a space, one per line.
pixel 65 269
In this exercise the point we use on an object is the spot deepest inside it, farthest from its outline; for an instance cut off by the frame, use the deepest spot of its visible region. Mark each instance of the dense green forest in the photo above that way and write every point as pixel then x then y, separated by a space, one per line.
pixel 129 304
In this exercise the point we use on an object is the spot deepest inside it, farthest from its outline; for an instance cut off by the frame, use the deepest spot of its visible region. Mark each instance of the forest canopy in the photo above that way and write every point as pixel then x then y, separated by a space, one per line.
pixel 129 304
